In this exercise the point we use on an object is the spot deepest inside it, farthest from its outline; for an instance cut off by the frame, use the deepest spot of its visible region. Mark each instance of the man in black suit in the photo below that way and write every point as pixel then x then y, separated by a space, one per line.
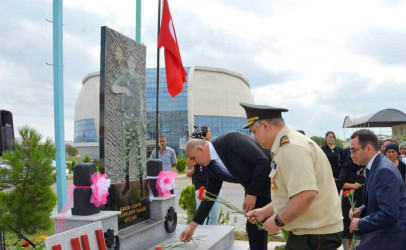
pixel 381 220
pixel 236 158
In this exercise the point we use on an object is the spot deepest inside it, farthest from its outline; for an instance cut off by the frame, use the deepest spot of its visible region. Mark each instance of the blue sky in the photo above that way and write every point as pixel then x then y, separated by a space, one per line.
pixel 323 60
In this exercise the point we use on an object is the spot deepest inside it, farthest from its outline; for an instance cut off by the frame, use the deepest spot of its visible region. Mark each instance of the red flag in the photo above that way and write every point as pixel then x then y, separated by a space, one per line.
pixel 175 73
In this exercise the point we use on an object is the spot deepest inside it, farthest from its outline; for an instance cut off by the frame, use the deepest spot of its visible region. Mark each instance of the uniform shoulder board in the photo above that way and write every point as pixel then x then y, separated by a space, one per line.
pixel 284 139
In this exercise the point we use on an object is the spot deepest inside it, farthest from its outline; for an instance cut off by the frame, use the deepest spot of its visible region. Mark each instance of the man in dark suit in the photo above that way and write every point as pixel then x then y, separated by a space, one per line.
pixel 381 220
pixel 236 158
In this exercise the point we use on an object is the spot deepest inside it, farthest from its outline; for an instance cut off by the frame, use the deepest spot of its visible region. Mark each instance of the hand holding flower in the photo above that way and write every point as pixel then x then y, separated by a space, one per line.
pixel 356 213
pixel 352 213
pixel 204 195
pixel 354 225
pixel 255 215
pixel 187 235
pixel 175 244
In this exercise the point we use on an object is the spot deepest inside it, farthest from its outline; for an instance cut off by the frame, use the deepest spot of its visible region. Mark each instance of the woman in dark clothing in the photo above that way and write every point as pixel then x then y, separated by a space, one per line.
pixel 351 176
pixel 392 153
pixel 334 154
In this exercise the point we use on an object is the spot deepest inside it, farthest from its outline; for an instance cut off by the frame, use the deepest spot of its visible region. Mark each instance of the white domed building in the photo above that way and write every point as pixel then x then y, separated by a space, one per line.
pixel 211 97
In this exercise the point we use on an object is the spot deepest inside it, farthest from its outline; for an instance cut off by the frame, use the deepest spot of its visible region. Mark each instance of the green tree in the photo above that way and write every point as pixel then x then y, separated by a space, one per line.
pixel 318 140
pixel 322 141
pixel 27 207
pixel 3 179
pixel 403 138
pixel 87 158
pixel 70 150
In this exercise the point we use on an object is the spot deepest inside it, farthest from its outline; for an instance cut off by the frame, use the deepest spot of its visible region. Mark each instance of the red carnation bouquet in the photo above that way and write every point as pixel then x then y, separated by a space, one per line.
pixel 350 195
pixel 203 195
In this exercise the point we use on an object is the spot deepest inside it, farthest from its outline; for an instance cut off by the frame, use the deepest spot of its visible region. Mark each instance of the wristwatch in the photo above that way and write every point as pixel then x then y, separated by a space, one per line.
pixel 278 221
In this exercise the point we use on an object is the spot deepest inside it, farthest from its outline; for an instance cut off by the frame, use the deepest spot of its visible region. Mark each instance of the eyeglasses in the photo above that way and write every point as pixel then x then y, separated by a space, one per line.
pixel 354 150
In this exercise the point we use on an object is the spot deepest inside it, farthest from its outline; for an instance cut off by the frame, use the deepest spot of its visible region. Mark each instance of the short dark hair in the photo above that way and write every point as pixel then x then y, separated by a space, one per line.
pixel 162 136
pixel 330 132
pixel 205 129
pixel 366 136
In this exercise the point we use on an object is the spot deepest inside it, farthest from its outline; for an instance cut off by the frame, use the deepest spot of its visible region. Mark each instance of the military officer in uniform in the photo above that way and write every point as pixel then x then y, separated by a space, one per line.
pixel 304 196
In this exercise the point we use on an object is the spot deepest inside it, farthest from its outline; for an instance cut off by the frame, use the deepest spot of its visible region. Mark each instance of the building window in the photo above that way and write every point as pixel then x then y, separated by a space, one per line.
pixel 172 111
pixel 85 131
pixel 222 124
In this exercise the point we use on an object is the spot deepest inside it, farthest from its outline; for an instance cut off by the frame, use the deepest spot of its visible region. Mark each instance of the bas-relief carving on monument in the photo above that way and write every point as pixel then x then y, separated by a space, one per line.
pixel 122 121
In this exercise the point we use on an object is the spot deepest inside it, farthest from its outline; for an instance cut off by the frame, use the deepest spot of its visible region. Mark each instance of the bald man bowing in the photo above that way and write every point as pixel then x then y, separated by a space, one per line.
pixel 236 158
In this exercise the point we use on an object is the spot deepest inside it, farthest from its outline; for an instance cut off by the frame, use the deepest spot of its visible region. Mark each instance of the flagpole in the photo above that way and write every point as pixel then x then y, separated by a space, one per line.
pixel 157 83
pixel 138 22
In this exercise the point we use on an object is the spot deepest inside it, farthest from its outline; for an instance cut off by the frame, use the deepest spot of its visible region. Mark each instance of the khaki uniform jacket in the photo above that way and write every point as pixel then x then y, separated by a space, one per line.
pixel 301 165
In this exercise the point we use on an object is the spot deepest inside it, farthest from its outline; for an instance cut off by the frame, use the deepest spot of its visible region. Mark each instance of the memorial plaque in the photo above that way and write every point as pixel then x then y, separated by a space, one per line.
pixel 122 122
pixel 134 207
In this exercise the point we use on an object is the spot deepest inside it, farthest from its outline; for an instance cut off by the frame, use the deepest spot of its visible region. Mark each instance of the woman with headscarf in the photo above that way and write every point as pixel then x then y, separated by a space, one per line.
pixel 392 153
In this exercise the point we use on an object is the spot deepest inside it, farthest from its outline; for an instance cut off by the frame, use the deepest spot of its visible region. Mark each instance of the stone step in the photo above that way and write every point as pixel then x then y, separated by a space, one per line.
pixel 236 220
pixel 216 237
pixel 144 235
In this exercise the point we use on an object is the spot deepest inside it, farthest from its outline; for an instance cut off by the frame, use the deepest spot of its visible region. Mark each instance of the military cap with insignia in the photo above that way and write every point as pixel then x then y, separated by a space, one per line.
pixel 261 112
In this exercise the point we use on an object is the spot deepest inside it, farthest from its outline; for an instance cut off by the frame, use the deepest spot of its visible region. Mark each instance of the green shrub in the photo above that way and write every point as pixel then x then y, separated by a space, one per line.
pixel 187 201
pixel 181 166
pixel 86 159
pixel 73 163
pixel 70 150
pixel 97 163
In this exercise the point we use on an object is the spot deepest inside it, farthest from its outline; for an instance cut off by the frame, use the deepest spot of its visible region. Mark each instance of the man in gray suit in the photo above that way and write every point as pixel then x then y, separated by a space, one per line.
pixel 381 220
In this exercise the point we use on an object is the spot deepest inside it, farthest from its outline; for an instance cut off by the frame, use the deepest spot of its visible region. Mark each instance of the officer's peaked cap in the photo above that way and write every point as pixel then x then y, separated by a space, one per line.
pixel 261 112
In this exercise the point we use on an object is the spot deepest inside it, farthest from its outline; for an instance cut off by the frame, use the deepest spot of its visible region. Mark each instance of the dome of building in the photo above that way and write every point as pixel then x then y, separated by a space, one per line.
pixel 210 97
pixel 86 129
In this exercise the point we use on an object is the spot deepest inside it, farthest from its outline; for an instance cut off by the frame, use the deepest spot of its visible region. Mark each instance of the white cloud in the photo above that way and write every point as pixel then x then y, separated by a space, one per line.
pixel 321 59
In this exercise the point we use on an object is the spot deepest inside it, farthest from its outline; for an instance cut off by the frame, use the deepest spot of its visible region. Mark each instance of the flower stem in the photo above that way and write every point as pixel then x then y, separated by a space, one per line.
pixel 229 205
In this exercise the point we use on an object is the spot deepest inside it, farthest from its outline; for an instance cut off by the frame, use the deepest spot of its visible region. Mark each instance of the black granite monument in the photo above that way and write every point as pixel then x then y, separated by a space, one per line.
pixel 122 125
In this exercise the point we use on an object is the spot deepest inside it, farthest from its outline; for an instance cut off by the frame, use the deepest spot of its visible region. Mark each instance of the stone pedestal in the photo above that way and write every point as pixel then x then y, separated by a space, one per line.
pixel 143 235
pixel 64 239
pixel 149 233
pixel 68 221
pixel 160 205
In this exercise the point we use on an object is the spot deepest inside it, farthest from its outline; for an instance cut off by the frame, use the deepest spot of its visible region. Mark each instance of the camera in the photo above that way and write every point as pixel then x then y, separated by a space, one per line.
pixel 197 133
